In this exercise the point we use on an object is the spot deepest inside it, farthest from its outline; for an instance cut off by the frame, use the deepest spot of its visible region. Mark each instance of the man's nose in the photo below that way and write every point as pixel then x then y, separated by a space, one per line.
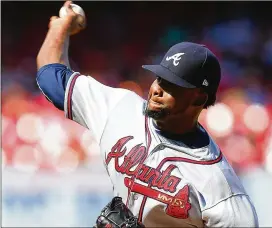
pixel 157 91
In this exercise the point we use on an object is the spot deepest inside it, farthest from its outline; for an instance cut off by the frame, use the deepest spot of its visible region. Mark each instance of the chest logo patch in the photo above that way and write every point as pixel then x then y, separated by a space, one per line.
pixel 178 206
pixel 132 165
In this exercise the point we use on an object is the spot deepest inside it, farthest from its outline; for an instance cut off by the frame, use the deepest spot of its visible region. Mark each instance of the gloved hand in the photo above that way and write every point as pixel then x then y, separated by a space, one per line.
pixel 117 215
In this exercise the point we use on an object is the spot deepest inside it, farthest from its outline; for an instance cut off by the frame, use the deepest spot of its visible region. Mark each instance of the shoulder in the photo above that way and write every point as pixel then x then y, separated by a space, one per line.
pixel 87 87
pixel 130 100
pixel 87 81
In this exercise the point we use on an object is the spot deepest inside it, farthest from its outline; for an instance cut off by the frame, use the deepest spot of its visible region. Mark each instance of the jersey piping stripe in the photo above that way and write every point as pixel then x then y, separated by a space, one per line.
pixel 69 99
pixel 174 159
pixel 177 159
pixel 149 143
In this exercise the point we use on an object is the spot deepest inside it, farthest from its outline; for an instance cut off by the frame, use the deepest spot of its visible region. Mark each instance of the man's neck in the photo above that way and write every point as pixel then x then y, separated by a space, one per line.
pixel 196 138
pixel 176 128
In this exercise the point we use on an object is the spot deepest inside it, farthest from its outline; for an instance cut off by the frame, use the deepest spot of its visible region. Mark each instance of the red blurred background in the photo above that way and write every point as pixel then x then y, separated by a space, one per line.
pixel 120 37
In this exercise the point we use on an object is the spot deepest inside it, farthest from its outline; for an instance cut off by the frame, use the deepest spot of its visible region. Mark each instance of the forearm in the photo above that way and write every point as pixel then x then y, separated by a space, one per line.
pixel 55 47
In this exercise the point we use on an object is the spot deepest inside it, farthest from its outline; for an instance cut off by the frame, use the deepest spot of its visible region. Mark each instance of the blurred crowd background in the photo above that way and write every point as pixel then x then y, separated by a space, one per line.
pixel 52 172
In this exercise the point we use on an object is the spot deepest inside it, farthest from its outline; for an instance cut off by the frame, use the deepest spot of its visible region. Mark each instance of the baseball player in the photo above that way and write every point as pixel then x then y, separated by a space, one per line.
pixel 163 164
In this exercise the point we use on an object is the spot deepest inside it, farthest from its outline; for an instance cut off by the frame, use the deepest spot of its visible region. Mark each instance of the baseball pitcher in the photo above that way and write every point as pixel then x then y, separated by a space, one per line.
pixel 166 169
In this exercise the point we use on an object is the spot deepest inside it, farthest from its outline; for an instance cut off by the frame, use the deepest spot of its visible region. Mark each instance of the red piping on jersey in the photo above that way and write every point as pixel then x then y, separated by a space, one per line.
pixel 177 159
pixel 148 135
pixel 144 199
pixel 190 160
pixel 69 99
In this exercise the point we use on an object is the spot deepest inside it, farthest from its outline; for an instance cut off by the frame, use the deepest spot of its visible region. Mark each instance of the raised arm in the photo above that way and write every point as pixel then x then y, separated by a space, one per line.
pixel 82 98
pixel 56 44
pixel 54 70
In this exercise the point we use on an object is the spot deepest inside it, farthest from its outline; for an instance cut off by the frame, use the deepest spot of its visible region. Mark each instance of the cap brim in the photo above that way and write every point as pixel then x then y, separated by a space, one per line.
pixel 167 75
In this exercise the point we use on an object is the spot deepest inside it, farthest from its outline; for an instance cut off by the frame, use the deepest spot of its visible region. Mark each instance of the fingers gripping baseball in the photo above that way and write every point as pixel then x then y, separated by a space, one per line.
pixel 71 16
pixel 75 15
pixel 68 11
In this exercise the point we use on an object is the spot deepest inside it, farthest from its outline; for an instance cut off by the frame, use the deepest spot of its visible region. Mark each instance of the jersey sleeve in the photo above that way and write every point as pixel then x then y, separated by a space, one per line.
pixel 89 102
pixel 52 80
pixel 235 211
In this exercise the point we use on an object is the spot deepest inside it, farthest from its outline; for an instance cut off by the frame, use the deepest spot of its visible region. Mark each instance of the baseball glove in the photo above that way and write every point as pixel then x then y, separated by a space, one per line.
pixel 117 215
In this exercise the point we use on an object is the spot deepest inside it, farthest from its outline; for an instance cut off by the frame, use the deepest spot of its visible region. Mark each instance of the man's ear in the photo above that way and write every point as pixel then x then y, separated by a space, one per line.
pixel 201 99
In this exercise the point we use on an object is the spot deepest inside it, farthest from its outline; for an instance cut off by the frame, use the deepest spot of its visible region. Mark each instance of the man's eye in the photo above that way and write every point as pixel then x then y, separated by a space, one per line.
pixel 162 82
pixel 159 80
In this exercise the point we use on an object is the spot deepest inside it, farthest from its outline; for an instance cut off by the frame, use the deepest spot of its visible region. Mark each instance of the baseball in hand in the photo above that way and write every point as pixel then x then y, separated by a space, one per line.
pixel 80 21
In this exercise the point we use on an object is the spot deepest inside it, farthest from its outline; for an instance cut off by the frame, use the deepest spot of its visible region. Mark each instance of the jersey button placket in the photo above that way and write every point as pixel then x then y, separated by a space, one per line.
pixel 135 197
pixel 161 147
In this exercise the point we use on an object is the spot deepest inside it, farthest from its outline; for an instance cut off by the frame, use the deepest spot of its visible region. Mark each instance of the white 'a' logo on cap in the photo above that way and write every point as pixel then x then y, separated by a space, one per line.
pixel 205 82
pixel 175 57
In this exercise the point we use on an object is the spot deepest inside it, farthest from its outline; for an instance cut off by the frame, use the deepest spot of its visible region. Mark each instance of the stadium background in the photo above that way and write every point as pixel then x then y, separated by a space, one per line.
pixel 52 172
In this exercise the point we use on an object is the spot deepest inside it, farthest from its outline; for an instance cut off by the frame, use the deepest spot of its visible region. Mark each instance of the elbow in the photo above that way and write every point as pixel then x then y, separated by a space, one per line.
pixel 39 61
pixel 52 80
pixel 42 79
pixel 43 85
pixel 45 56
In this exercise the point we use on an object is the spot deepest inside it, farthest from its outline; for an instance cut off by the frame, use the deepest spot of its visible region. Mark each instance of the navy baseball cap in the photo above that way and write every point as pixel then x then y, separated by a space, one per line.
pixel 189 65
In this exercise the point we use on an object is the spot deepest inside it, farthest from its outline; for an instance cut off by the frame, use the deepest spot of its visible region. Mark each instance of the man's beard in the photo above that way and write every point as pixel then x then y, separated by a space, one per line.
pixel 156 115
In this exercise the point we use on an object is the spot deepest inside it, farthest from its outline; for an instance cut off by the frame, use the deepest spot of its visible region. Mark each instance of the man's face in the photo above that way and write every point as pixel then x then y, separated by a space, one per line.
pixel 166 99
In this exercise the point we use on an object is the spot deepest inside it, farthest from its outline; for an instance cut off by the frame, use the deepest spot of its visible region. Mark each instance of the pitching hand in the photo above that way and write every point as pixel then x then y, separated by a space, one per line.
pixel 72 23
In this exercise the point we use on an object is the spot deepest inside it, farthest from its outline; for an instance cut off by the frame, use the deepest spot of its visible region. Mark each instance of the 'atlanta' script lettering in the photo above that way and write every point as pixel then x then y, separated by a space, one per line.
pixel 132 165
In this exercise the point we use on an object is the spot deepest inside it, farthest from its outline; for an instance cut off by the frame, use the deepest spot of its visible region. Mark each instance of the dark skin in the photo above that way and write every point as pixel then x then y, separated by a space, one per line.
pixel 175 109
